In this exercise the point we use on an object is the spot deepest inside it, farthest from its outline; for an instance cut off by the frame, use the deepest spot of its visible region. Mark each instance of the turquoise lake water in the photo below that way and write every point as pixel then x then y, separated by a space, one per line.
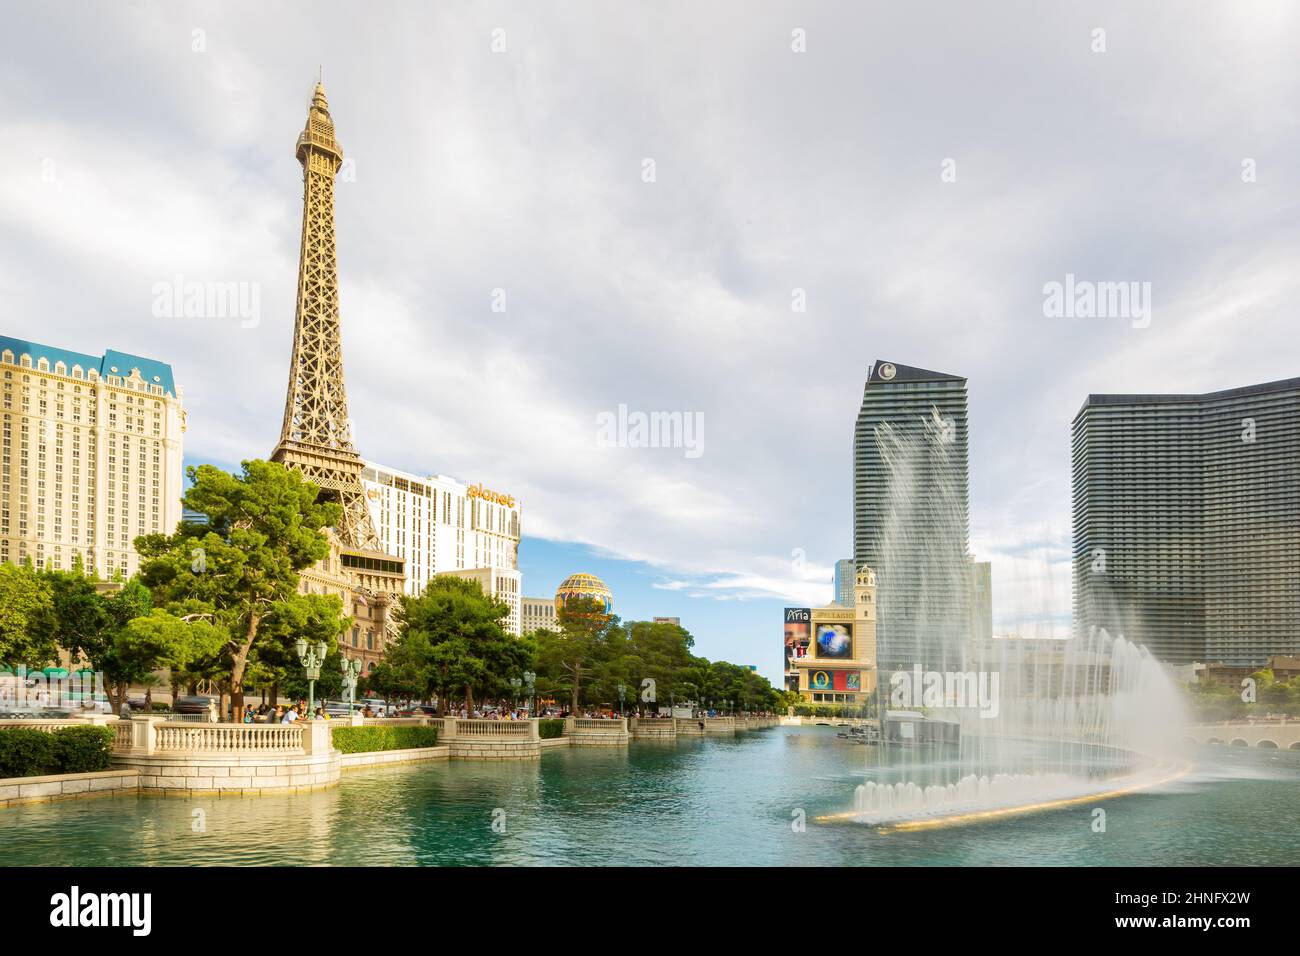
pixel 693 801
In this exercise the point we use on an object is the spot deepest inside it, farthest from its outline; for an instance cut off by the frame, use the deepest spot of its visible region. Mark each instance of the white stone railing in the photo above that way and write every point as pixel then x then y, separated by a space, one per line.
pixel 600 725
pixel 50 724
pixel 47 725
pixel 660 725
pixel 155 735
pixel 213 738
pixel 456 727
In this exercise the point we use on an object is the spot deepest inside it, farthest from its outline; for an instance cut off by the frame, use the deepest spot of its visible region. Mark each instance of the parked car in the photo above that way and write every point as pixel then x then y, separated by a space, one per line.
pixel 194 704
pixel 419 710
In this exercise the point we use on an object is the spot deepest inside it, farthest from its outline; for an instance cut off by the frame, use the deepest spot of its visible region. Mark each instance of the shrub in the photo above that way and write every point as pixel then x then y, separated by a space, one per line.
pixel 25 752
pixel 83 749
pixel 362 740
pixel 550 728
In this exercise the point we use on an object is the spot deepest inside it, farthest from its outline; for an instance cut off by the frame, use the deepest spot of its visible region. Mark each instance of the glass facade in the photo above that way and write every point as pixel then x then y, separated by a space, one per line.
pixel 1186 514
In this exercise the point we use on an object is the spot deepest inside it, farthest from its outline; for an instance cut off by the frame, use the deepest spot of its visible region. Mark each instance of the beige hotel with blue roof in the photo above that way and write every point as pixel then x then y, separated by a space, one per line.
pixel 92 449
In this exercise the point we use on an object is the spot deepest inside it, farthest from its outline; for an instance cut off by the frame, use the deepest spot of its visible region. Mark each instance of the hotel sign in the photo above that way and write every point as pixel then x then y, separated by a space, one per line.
pixel 478 491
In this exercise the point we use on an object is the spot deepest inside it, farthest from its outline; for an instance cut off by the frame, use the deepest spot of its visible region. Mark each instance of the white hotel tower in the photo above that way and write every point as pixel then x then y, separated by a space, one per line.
pixel 91 456
pixel 440 526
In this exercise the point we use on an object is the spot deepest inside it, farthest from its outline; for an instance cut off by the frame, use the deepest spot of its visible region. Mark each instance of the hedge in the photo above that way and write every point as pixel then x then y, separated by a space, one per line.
pixel 34 753
pixel 833 710
pixel 364 740
pixel 549 728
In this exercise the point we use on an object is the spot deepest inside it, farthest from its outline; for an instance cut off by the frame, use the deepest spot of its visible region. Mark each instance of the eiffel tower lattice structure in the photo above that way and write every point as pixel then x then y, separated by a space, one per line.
pixel 316 437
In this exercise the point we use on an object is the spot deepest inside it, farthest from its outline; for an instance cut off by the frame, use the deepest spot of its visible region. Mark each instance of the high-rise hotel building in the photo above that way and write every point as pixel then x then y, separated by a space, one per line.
pixel 911 513
pixel 439 525
pixel 1187 522
pixel 92 449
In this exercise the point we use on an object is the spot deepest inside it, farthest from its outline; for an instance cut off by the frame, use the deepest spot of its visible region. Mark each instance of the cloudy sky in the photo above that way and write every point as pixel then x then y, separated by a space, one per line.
pixel 919 170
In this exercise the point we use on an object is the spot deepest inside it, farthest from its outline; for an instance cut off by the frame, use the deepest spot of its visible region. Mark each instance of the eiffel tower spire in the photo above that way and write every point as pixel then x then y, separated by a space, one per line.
pixel 316 437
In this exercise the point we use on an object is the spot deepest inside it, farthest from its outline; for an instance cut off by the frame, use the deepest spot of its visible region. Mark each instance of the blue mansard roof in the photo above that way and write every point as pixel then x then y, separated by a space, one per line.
pixel 111 362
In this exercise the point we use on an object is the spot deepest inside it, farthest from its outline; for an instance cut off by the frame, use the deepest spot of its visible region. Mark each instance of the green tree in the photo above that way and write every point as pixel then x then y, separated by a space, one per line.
pixel 264 527
pixel 399 676
pixel 27 620
pixel 81 615
pixel 87 623
pixel 161 639
pixel 315 618
pixel 452 640
pixel 583 643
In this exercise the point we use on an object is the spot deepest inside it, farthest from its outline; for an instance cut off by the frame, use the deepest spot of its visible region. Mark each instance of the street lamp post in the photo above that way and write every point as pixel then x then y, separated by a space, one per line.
pixel 622 695
pixel 530 682
pixel 515 684
pixel 351 671
pixel 311 659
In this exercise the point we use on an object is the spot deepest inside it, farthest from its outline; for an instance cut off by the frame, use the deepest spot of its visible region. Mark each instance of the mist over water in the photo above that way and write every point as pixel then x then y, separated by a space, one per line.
pixel 1008 722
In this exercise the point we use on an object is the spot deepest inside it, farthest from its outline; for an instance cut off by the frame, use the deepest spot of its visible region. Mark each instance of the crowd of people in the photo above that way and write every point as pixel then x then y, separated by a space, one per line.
pixel 266 714
pixel 299 710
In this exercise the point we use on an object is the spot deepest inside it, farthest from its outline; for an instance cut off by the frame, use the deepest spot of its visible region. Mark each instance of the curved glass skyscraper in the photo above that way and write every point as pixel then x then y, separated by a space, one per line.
pixel 1187 521
pixel 911 511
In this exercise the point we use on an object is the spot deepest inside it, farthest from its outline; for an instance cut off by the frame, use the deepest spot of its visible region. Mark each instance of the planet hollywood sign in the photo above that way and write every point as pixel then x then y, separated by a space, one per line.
pixel 478 491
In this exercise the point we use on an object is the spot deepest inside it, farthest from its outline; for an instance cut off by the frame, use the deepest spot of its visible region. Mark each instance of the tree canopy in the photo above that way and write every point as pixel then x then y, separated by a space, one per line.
pixel 264 527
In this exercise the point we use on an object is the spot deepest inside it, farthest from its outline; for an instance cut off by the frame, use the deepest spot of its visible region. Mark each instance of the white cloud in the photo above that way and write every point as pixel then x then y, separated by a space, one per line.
pixel 521 171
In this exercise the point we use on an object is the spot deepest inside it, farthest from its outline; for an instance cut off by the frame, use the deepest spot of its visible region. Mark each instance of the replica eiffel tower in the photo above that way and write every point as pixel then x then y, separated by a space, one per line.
pixel 316 437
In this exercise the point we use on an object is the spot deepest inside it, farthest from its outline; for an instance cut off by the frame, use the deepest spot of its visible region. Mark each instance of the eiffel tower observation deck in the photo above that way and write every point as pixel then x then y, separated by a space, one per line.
pixel 316 436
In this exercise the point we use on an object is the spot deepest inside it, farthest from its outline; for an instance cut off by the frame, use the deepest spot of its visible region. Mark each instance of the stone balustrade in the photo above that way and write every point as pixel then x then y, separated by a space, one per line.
pixel 456 727
pixel 213 738
pixel 491 739
pixel 598 731
pixel 653 728
pixel 189 759
pixel 50 724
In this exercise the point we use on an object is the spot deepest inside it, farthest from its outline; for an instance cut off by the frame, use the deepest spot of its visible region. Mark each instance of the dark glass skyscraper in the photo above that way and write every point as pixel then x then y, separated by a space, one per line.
pixel 1187 521
pixel 845 572
pixel 911 513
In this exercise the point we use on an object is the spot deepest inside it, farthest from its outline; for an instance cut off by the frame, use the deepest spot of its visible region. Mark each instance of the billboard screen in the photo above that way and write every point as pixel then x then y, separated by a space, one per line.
pixel 828 679
pixel 798 637
pixel 834 642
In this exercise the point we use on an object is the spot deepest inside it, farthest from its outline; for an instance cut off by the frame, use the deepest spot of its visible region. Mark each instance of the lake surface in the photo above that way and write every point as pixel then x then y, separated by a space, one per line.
pixel 695 801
